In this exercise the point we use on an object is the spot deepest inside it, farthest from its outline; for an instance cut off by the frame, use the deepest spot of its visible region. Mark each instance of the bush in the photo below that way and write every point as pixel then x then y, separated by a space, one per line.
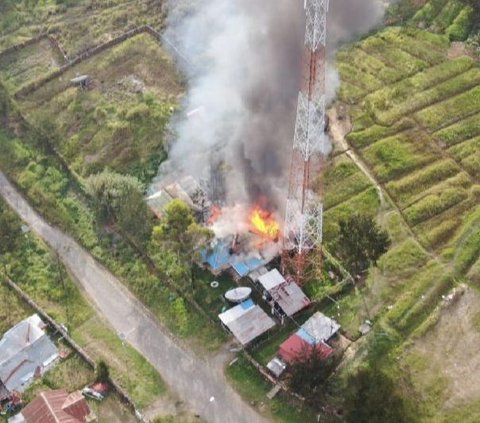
pixel 102 372
pixel 462 25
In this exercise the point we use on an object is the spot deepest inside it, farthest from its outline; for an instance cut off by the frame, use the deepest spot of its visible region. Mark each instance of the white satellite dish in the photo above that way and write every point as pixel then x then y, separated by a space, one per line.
pixel 237 295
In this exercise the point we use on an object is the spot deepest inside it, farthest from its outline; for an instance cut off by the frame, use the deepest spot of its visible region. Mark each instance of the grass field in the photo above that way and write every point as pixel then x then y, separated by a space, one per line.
pixel 120 121
pixel 77 24
pixel 416 127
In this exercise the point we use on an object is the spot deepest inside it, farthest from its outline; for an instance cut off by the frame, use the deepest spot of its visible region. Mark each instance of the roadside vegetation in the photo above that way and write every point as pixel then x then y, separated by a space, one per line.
pixel 30 264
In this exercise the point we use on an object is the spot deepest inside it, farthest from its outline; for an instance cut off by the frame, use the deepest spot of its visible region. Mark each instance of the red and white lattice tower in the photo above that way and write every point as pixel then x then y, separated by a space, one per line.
pixel 304 208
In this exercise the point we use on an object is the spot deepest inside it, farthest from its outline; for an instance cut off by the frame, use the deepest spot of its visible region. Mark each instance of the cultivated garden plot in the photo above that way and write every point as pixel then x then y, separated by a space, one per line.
pixel 418 133
pixel 22 66
pixel 120 119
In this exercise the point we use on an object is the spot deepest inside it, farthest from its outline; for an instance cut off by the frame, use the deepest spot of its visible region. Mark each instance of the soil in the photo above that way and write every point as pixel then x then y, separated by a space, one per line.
pixel 449 351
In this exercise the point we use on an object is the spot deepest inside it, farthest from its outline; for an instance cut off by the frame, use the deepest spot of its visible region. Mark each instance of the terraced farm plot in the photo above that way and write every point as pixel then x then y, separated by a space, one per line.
pixel 452 17
pixel 347 190
pixel 27 64
pixel 78 25
pixel 121 119
pixel 419 135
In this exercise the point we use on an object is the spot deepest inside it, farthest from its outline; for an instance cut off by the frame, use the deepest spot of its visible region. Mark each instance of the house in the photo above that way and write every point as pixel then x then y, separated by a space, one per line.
pixel 55 407
pixel 246 321
pixel 285 297
pixel 26 352
pixel 312 335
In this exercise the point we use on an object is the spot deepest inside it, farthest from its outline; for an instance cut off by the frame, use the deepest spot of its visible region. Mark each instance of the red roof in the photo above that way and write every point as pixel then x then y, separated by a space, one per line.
pixel 291 349
pixel 57 407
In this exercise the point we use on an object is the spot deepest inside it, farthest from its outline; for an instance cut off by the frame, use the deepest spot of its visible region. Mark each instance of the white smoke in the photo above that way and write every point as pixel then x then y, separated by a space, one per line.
pixel 243 65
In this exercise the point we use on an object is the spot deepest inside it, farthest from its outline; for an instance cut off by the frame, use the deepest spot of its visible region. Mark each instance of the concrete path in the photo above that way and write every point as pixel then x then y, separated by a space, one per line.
pixel 200 383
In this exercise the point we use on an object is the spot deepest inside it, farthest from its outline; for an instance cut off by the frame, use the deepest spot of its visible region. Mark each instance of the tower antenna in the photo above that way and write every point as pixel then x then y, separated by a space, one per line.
pixel 303 226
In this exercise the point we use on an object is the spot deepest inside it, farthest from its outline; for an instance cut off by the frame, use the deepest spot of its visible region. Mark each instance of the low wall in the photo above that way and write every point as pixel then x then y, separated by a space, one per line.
pixel 78 349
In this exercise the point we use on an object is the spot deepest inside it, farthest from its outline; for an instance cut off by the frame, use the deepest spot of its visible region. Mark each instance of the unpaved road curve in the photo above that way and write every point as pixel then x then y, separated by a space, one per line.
pixel 194 379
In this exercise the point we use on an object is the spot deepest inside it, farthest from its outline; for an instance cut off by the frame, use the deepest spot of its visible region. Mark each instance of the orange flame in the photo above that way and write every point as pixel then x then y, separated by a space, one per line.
pixel 215 213
pixel 264 224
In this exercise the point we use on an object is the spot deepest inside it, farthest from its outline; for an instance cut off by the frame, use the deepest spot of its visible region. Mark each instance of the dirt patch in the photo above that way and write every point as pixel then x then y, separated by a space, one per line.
pixel 339 126
pixel 459 49
pixel 445 364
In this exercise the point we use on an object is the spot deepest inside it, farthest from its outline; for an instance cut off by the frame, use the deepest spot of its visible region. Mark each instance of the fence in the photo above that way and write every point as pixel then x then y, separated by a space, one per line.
pixel 79 350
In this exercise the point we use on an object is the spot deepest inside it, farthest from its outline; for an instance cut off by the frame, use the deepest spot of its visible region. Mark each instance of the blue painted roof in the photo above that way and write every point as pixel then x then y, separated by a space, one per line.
pixel 218 257
pixel 309 339
pixel 243 268
pixel 247 304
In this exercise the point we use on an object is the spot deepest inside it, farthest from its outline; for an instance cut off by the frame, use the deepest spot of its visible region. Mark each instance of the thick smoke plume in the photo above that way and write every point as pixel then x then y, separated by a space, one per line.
pixel 242 61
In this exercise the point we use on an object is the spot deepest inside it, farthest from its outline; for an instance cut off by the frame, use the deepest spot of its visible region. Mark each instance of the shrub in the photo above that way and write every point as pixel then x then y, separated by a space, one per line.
pixel 462 25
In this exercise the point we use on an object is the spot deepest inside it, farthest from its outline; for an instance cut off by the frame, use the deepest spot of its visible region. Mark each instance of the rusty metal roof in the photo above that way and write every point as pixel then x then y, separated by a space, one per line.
pixel 57 407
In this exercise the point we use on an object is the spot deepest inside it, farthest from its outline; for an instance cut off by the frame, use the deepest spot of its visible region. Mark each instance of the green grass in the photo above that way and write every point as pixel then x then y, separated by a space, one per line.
pixel 410 40
pixel 448 14
pixel 440 115
pixel 465 149
pixel 70 374
pixel 422 99
pixel 366 202
pixel 421 294
pixel 394 94
pixel 462 25
pixel 398 155
pixel 416 183
pixel 433 204
pixel 76 24
pixel 363 138
pixel 430 11
pixel 250 384
pixel 367 64
pixel 459 131
pixel 404 257
pixel 112 124
pixel 12 309
pixel 393 57
pixel 127 366
pixel 23 66
pixel 467 243
pixel 342 181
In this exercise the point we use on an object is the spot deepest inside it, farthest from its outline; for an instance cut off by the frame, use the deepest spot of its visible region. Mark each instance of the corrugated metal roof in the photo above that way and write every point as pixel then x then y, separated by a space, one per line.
pixel 246 321
pixel 295 345
pixel 271 279
pixel 290 297
pixel 57 407
pixel 24 351
pixel 235 312
pixel 321 327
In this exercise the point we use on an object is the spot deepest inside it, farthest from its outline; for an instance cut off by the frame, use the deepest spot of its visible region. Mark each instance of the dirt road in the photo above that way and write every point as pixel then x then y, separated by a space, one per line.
pixel 200 383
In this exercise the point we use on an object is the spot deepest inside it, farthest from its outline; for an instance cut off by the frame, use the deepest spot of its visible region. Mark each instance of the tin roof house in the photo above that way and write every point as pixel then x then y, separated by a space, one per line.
pixel 26 351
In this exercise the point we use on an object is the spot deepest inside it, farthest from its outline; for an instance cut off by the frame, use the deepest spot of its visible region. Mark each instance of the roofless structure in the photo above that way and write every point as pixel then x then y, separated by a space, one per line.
pixel 304 207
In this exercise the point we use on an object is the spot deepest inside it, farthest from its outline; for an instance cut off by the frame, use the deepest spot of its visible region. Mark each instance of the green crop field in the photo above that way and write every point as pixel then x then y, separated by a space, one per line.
pixel 416 125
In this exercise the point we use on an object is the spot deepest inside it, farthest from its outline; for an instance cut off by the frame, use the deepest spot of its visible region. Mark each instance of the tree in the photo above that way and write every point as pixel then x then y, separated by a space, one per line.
pixel 102 372
pixel 119 199
pixel 308 376
pixel 361 242
pixel 10 230
pixel 372 397
pixel 178 239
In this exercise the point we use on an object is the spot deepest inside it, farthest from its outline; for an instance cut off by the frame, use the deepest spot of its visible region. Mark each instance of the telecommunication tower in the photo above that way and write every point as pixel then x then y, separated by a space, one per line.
pixel 304 208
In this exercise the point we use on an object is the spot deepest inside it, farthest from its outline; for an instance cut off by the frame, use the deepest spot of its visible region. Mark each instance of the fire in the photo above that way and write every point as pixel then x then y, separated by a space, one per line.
pixel 215 213
pixel 264 224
